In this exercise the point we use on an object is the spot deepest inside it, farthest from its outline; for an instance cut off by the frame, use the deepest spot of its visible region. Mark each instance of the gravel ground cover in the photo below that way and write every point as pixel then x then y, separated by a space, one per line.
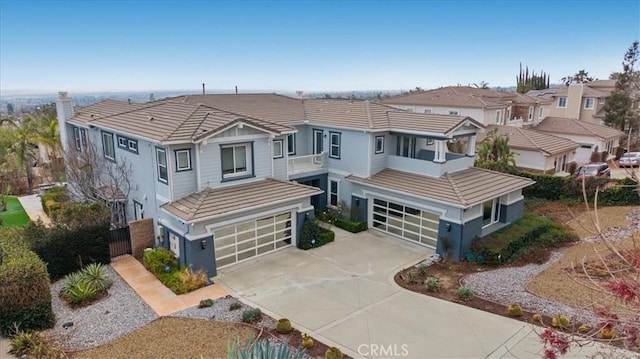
pixel 220 310
pixel 121 312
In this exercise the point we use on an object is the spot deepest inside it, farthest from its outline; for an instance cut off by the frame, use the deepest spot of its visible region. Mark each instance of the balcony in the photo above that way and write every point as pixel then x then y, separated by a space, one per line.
pixel 307 164
pixel 424 165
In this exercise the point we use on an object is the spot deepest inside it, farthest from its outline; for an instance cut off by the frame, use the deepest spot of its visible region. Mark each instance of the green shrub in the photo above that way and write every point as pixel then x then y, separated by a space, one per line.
pixel 412 276
pixel 333 353
pixel 34 345
pixel 283 326
pixel 314 236
pixel 432 284
pixel 465 294
pixel 81 293
pixel 71 281
pixel 235 306
pixel 156 260
pixel 57 195
pixel 251 315
pixel 80 236
pixel 25 296
pixel 423 269
pixel 96 275
pixel 353 227
pixel 513 241
pixel 182 281
pixel 206 303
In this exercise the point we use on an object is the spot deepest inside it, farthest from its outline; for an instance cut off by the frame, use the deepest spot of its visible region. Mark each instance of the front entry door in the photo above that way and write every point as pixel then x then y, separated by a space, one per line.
pixel 317 142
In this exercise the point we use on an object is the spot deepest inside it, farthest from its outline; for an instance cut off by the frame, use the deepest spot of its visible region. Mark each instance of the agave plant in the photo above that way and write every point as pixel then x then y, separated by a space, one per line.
pixel 71 281
pixel 81 293
pixel 261 350
pixel 96 274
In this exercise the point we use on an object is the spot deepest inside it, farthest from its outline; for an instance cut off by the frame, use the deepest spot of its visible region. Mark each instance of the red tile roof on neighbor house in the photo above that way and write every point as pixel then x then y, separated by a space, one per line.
pixel 532 140
pixel 577 127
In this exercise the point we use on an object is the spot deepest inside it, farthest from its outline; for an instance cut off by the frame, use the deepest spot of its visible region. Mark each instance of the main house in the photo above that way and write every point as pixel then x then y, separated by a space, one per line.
pixel 227 178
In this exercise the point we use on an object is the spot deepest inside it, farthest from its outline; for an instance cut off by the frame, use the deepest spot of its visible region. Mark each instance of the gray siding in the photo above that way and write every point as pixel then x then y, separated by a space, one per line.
pixel 379 160
pixel 512 212
pixel 235 131
pixel 354 156
pixel 280 164
pixel 304 141
pixel 183 182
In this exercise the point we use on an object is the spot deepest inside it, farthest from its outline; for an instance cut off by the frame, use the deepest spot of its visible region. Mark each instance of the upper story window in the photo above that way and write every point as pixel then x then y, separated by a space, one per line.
pixel 379 144
pixel 128 144
pixel 161 162
pixel 183 160
pixel 108 148
pixel 291 144
pixel 80 138
pixel 454 112
pixel 406 146
pixel 562 102
pixel 277 149
pixel 541 113
pixel 498 116
pixel 236 160
pixel 335 144
pixel 589 103
pixel 530 117
pixel 428 111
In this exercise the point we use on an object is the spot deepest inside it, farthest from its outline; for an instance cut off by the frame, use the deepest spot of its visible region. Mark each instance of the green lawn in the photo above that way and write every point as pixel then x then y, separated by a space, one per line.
pixel 15 214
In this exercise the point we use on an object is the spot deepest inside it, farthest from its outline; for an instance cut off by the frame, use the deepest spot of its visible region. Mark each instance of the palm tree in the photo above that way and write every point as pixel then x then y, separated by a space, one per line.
pixel 24 136
pixel 49 135
pixel 495 154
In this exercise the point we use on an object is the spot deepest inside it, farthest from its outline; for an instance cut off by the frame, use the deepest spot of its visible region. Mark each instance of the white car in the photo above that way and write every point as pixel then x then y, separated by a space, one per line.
pixel 630 159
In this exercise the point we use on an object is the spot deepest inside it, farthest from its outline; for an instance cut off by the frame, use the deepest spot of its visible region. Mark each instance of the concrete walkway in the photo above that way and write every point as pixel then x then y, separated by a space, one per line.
pixel 4 348
pixel 160 298
pixel 344 295
pixel 33 206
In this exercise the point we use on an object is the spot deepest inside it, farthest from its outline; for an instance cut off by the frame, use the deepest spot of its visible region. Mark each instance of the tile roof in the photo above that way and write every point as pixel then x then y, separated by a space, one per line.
pixel 577 127
pixel 529 139
pixel 346 113
pixel 267 106
pixel 167 120
pixel 420 122
pixel 463 188
pixel 454 96
pixel 216 202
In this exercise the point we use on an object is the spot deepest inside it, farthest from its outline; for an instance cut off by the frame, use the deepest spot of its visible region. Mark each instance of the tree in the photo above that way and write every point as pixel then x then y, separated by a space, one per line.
pixel 92 178
pixel 579 77
pixel 619 107
pixel 481 85
pixel 22 139
pixel 49 136
pixel 495 154
pixel 10 109
pixel 526 82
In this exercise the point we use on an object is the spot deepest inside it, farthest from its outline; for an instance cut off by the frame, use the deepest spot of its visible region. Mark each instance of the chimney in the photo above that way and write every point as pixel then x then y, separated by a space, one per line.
pixel 64 111
pixel 203 88
pixel 236 89
pixel 129 101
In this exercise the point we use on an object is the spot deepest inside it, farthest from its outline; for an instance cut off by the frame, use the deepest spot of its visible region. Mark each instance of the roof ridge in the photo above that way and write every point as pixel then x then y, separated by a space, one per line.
pixel 168 135
pixel 582 125
pixel 455 188
pixel 368 110
pixel 194 209
pixel 523 133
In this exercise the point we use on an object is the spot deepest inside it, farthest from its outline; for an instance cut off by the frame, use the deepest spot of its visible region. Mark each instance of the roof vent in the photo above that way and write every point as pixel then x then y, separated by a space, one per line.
pixel 150 118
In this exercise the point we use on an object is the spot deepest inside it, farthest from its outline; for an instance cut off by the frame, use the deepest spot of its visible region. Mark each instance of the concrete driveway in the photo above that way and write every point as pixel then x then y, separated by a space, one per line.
pixel 344 295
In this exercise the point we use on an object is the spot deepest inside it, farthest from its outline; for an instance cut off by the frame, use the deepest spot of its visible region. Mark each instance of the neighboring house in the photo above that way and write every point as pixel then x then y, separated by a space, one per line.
pixel 488 107
pixel 537 151
pixel 582 101
pixel 591 137
pixel 230 177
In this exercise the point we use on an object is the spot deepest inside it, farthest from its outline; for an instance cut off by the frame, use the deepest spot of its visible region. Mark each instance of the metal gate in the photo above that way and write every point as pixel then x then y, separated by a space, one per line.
pixel 119 242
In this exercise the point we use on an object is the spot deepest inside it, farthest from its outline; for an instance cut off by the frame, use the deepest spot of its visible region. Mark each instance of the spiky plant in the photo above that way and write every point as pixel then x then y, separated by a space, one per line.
pixel 96 274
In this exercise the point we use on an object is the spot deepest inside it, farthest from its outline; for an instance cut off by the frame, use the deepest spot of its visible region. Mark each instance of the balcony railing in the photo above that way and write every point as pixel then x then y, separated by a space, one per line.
pixel 301 164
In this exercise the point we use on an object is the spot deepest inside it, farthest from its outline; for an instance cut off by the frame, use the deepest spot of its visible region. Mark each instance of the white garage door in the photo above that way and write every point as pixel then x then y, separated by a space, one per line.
pixel 406 222
pixel 241 241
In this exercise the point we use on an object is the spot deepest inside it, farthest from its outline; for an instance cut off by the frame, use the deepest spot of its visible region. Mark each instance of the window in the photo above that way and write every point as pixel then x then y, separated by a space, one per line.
pixel 490 212
pixel 406 146
pixel 107 146
pixel 562 102
pixel 291 144
pixel 541 113
pixel 530 117
pixel 132 145
pixel 77 139
pixel 335 144
pixel 379 144
pixel 161 160
pixel 498 116
pixel 122 142
pixel 428 111
pixel 183 160
pixel 589 103
pixel 277 149
pixel 83 136
pixel 333 192
pixel 454 112
pixel 560 163
pixel 236 160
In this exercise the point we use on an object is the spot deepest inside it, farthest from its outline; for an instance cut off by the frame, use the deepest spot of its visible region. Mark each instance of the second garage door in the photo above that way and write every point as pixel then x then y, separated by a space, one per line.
pixel 406 222
pixel 244 240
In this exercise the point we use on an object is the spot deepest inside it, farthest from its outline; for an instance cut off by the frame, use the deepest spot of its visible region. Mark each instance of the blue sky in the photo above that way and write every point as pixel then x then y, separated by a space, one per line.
pixel 310 45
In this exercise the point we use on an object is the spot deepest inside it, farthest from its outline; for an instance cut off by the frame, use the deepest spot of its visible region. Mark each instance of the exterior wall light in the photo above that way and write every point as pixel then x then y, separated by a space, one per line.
pixel 203 244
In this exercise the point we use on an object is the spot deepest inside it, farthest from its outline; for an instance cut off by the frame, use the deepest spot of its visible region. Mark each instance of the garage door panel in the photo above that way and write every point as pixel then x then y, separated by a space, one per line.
pixel 405 221
pixel 248 239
